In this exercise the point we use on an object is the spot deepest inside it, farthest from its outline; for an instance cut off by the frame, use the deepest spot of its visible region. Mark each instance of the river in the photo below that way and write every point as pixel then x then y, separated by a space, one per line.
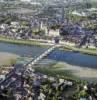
pixel 72 58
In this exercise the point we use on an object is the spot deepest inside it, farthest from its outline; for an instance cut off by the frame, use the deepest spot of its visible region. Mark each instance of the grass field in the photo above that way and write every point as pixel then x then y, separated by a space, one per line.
pixel 88 51
pixel 21 42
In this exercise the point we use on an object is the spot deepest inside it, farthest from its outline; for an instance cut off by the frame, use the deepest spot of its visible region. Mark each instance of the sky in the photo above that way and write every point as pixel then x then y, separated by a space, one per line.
pixel 78 0
pixel 51 0
pixel 26 0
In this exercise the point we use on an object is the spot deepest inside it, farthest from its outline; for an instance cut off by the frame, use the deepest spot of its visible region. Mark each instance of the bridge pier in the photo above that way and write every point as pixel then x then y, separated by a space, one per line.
pixel 47 52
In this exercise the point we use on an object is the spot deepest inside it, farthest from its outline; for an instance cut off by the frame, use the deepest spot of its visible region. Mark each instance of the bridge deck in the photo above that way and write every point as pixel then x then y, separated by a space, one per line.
pixel 47 52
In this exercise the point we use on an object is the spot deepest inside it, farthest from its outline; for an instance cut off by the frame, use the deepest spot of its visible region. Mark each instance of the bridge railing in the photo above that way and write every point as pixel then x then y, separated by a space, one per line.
pixel 47 52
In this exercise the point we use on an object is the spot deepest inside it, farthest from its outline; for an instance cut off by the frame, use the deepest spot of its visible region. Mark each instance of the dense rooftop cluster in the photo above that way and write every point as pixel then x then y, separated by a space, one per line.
pixel 37 86
pixel 28 27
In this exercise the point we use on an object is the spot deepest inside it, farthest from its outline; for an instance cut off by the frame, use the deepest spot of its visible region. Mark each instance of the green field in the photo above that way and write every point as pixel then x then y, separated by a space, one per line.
pixel 88 51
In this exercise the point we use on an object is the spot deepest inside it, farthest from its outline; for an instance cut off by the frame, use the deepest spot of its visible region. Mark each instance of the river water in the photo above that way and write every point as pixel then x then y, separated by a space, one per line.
pixel 22 50
pixel 69 57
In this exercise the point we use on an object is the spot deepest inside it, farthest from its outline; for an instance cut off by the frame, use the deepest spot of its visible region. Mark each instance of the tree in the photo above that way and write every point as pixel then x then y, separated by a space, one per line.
pixel 54 27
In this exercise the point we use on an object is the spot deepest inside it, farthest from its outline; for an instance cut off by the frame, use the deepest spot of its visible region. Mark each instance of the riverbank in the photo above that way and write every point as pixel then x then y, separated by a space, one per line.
pixel 40 43
pixel 69 71
pixel 7 59
pixel 92 52
pixel 22 42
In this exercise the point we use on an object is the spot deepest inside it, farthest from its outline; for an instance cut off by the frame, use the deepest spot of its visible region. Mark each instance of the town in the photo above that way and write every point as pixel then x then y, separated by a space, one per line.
pixel 55 29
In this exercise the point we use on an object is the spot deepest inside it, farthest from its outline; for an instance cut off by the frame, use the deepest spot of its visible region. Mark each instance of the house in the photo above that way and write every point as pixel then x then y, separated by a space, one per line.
pixel 2 77
pixel 83 98
pixel 54 33
pixel 3 26
pixel 15 24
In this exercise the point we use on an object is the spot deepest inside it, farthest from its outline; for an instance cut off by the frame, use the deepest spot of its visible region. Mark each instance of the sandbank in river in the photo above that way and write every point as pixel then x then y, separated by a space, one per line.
pixel 7 58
